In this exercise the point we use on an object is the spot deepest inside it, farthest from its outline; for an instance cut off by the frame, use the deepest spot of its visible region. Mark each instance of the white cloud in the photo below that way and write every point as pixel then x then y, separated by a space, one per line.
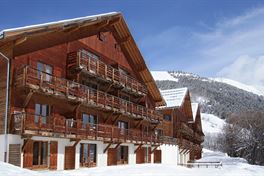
pixel 245 69
pixel 214 51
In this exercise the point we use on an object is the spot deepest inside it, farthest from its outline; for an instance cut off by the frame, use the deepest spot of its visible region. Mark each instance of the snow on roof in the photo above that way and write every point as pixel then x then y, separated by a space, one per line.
pixel 194 110
pixel 64 22
pixel 174 97
pixel 163 76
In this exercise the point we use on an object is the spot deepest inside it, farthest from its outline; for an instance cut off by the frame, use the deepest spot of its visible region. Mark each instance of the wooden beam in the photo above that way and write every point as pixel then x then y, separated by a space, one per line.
pixel 137 125
pixel 20 40
pixel 76 142
pixel 139 147
pixel 186 151
pixel 124 39
pixel 26 141
pixel 117 145
pixel 115 120
pixel 152 151
pixel 109 117
pixel 27 99
pixel 107 147
pixel 109 87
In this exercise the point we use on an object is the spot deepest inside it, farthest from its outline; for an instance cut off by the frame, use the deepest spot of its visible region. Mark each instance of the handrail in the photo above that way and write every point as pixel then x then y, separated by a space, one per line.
pixel 71 88
pixel 59 124
pixel 185 128
pixel 104 70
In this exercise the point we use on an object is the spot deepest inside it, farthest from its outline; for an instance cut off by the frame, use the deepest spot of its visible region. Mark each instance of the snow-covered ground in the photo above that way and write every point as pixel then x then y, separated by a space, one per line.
pixel 231 167
pixel 163 76
pixel 212 123
pixel 253 89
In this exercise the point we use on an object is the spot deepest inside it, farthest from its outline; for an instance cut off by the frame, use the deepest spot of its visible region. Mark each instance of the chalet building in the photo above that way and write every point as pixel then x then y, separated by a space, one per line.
pixel 196 125
pixel 77 93
pixel 182 121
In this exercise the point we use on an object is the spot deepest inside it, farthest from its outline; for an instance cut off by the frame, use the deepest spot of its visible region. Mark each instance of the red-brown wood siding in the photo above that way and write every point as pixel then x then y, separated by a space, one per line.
pixel 28 154
pixel 53 154
pixel 69 157
pixel 111 157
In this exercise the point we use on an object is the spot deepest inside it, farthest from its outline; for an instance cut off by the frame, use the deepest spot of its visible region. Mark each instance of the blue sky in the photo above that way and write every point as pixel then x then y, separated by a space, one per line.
pixel 207 37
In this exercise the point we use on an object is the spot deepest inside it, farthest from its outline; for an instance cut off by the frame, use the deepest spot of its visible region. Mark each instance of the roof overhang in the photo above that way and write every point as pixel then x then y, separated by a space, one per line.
pixel 32 38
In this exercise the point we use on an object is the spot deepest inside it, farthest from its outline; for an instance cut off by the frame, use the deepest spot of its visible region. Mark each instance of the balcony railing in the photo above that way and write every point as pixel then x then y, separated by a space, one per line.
pixel 49 84
pixel 59 126
pixel 186 144
pixel 198 137
pixel 81 60
pixel 185 129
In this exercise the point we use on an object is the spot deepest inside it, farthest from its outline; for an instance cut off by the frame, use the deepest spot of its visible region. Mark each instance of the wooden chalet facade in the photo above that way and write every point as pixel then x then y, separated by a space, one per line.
pixel 182 121
pixel 80 95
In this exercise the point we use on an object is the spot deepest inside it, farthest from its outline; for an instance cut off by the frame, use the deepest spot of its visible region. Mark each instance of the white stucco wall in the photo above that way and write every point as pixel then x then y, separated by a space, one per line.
pixel 169 154
pixel 183 157
pixel 11 139
pixel 131 154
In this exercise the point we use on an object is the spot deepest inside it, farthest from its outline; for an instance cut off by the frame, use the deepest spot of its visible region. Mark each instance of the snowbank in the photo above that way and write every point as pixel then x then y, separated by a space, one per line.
pixel 231 167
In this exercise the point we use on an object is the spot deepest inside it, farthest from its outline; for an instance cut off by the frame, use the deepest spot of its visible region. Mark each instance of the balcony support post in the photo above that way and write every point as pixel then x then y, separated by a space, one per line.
pixel 107 147
pixel 139 147
pixel 152 151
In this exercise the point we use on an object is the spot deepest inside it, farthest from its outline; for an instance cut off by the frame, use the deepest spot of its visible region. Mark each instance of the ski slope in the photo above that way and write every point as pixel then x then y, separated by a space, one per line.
pixel 211 123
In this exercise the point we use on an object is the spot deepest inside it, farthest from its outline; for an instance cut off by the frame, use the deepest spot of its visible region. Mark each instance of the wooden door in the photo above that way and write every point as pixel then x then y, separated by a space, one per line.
pixel 53 154
pixel 140 156
pixel 112 157
pixel 28 154
pixel 69 157
pixel 157 156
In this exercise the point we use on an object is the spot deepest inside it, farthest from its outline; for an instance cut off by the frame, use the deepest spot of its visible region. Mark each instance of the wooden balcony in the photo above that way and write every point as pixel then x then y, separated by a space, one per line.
pixel 185 144
pixel 59 126
pixel 169 140
pixel 185 130
pixel 77 61
pixel 198 138
pixel 47 84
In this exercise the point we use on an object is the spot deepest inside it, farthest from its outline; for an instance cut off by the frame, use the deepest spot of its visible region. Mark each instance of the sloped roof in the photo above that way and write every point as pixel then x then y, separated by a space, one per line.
pixel 194 110
pixel 174 97
pixel 28 39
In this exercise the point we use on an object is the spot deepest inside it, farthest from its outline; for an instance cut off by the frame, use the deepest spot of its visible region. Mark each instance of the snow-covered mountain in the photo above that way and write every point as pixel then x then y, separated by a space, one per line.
pixel 253 89
pixel 212 123
pixel 218 96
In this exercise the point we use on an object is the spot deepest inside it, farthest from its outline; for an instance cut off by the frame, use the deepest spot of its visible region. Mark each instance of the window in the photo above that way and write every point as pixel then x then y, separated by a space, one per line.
pixel 122 154
pixel 146 154
pixel 88 155
pixel 123 126
pixel 40 153
pixel 45 71
pixel 41 113
pixel 167 117
pixel 88 119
